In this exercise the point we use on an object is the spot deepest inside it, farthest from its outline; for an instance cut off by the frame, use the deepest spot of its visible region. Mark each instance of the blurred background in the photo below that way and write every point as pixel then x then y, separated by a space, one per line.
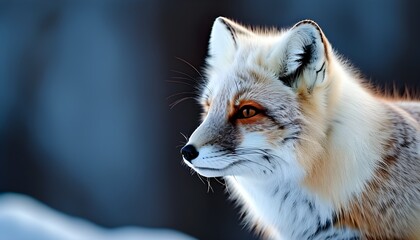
pixel 86 87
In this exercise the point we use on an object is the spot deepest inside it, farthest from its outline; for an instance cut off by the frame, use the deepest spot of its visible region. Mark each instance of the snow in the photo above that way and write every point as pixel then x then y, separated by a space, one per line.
pixel 23 218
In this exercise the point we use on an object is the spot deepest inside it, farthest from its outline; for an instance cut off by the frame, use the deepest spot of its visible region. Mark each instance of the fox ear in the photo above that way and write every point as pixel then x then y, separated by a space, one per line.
pixel 303 56
pixel 224 39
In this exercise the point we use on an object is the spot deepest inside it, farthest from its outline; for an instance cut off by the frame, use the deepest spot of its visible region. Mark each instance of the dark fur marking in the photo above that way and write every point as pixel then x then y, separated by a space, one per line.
pixel 273 119
pixel 289 138
pixel 334 218
pixel 267 157
pixel 323 40
pixel 286 196
pixel 304 60
pixel 276 190
pixel 306 56
pixel 305 232
pixel 321 228
pixel 323 65
pixel 322 68
pixel 289 79
pixel 332 236
pixel 231 30
pixel 313 24
pixel 311 206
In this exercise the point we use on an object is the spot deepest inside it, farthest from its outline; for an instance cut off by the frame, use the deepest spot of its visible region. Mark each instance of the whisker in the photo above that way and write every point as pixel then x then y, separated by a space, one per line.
pixel 209 186
pixel 180 93
pixel 185 136
pixel 201 179
pixel 259 151
pixel 254 151
pixel 181 82
pixel 239 162
pixel 257 163
pixel 180 145
pixel 234 177
pixel 182 73
pixel 172 105
pixel 302 138
pixel 202 86
pixel 244 160
pixel 189 64
pixel 217 180
pixel 227 188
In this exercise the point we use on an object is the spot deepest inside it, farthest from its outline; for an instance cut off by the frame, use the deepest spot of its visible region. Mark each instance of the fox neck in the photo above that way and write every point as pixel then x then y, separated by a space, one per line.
pixel 349 142
pixel 278 207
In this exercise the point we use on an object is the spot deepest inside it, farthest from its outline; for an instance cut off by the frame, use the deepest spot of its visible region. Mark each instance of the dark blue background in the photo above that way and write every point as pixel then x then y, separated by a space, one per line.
pixel 85 123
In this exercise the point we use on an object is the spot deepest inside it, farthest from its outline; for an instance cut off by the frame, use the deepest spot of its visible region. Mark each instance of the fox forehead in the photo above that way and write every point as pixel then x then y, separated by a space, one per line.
pixel 251 66
pixel 241 82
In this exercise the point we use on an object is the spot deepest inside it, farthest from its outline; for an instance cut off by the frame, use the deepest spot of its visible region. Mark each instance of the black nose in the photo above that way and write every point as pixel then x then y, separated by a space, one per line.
pixel 189 152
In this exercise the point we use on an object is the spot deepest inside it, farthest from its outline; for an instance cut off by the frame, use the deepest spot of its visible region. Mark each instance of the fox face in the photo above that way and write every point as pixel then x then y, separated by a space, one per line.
pixel 309 151
pixel 254 99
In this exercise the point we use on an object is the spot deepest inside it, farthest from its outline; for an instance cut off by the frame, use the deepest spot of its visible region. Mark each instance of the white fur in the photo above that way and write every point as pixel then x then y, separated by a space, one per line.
pixel 356 126
pixel 254 195
pixel 347 129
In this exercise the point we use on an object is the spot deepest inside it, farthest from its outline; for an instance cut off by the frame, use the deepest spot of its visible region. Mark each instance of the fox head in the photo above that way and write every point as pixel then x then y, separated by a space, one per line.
pixel 264 102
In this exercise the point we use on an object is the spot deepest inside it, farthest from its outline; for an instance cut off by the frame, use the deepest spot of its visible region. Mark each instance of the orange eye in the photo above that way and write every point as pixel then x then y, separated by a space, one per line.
pixel 247 112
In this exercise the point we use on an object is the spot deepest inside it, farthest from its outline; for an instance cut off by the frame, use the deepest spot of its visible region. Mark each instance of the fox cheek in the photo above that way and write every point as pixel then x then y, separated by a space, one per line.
pixel 270 134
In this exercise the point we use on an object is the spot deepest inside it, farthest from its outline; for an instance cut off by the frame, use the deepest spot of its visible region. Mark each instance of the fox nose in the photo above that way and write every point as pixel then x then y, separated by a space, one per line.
pixel 189 152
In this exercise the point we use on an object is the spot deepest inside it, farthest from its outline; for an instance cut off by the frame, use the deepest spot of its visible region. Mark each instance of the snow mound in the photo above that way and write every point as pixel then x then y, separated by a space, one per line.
pixel 23 218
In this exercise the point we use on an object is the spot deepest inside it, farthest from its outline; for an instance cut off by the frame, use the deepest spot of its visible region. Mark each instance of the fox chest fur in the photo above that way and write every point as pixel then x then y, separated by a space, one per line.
pixel 304 146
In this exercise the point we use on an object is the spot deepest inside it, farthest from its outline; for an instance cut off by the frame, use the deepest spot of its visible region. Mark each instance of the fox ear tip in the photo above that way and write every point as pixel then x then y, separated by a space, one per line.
pixel 224 39
pixel 220 18
pixel 309 22
pixel 311 27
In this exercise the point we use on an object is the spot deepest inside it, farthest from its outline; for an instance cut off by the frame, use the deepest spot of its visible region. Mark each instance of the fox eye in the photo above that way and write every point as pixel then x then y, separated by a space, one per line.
pixel 247 112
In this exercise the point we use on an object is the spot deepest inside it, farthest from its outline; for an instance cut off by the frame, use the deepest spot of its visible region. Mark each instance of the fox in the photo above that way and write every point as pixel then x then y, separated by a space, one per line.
pixel 305 146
